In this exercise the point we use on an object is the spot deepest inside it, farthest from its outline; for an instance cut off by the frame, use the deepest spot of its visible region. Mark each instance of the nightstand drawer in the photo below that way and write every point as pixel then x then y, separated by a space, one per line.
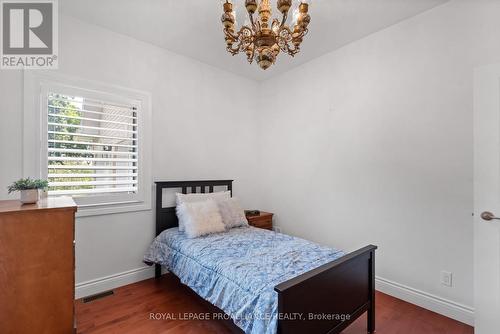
pixel 268 225
pixel 264 220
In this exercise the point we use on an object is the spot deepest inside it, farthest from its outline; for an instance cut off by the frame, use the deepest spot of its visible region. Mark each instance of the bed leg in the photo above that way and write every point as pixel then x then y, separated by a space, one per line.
pixel 371 320
pixel 157 271
pixel 371 310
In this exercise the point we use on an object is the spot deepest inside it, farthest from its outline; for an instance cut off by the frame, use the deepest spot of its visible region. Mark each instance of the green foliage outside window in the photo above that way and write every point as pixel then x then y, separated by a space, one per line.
pixel 59 106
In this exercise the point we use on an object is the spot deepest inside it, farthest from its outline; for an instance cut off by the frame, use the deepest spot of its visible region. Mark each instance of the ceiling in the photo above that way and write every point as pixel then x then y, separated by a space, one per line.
pixel 192 27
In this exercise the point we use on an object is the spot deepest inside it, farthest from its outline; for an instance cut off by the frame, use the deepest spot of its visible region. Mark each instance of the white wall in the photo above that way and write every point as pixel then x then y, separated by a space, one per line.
pixel 373 144
pixel 203 127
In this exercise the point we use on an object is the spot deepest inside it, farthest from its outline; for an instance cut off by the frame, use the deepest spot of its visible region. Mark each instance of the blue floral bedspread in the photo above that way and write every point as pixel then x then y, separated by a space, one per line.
pixel 237 270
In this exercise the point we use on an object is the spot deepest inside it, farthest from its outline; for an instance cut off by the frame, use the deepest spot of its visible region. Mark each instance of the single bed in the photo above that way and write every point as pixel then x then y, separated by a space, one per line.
pixel 266 282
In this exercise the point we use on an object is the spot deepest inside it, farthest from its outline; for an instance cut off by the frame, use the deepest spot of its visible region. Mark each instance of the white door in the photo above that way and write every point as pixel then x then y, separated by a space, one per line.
pixel 487 199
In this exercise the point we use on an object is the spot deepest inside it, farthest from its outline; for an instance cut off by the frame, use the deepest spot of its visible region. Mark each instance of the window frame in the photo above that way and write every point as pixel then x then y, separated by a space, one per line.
pixel 37 85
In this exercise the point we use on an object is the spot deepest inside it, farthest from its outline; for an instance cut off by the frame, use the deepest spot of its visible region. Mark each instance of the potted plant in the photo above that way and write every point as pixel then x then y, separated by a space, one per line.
pixel 29 189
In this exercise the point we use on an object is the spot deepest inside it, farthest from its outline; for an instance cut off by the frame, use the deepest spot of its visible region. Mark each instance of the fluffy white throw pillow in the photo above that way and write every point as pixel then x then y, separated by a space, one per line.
pixel 201 218
pixel 232 214
pixel 191 198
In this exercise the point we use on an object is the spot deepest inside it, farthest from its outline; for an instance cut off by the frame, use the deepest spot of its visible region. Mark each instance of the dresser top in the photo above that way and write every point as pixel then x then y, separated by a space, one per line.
pixel 43 204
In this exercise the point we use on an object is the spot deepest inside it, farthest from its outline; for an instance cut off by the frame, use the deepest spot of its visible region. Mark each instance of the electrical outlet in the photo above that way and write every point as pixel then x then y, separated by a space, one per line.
pixel 447 278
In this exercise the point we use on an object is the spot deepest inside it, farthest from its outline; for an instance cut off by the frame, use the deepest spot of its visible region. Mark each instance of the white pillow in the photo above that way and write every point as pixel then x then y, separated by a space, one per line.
pixel 232 214
pixel 190 198
pixel 201 218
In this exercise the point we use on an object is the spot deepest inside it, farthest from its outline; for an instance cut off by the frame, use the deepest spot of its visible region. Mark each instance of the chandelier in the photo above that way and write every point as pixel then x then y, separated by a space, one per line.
pixel 261 39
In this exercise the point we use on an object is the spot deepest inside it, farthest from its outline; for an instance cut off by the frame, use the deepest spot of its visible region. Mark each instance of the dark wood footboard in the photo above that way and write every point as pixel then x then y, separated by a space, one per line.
pixel 329 298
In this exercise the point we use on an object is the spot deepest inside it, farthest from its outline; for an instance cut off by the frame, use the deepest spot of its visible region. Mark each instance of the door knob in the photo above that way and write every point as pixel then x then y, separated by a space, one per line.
pixel 486 215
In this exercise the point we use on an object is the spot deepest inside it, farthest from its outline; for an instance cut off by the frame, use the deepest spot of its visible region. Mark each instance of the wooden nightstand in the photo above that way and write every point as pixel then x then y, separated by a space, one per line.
pixel 264 220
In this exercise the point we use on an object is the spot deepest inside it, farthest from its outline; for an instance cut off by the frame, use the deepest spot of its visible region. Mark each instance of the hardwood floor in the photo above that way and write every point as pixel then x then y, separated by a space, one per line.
pixel 129 311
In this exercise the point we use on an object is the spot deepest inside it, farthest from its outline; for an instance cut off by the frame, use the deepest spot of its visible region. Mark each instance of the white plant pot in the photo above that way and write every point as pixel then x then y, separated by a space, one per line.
pixel 29 196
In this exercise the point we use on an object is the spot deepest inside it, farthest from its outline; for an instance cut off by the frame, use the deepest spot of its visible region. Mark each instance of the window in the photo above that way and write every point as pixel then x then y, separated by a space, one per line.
pixel 93 145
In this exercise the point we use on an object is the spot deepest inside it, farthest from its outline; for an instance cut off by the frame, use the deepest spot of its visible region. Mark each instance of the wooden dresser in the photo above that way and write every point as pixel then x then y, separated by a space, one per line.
pixel 37 266
pixel 263 220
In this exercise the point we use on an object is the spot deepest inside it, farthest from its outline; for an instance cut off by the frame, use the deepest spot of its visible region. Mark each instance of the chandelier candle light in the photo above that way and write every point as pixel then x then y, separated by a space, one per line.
pixel 262 39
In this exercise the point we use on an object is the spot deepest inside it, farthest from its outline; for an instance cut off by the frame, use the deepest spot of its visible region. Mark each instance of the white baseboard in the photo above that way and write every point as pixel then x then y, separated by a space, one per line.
pixel 423 299
pixel 426 300
pixel 101 284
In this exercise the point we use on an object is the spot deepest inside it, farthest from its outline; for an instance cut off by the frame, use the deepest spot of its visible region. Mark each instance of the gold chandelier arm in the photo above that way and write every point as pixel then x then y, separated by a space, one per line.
pixel 243 38
pixel 229 33
pixel 283 20
pixel 231 38
pixel 276 25
pixel 250 50
pixel 292 51
pixel 252 22
pixel 233 51
pixel 297 41
pixel 289 41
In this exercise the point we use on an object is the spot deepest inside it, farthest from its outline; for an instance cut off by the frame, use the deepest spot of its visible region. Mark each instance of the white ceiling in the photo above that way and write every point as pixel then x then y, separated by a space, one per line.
pixel 192 27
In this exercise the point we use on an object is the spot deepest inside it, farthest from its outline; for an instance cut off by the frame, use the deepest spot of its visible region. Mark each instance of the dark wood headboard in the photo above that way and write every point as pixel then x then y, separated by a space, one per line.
pixel 166 217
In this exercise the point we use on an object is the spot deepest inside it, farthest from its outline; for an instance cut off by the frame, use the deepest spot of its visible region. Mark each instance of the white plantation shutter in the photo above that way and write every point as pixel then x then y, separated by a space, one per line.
pixel 92 146
pixel 90 140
